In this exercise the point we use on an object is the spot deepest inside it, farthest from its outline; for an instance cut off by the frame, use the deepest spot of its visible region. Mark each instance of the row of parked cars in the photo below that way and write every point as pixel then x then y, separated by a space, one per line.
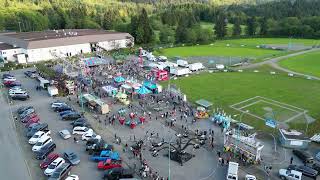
pixel 99 151
pixel 16 92
pixel 56 167
pixel 311 167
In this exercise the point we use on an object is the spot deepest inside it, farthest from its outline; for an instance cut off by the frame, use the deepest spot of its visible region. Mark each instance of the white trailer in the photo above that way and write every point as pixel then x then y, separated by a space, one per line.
pixel 53 91
pixel 179 71
pixel 182 63
pixel 151 57
pixel 233 171
pixel 195 66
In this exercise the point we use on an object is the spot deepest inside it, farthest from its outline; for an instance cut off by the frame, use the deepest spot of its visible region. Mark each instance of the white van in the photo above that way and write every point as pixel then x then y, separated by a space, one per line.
pixel 233 171
pixel 42 142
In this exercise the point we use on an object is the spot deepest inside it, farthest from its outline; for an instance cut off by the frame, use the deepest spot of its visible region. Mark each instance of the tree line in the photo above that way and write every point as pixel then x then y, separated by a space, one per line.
pixel 166 22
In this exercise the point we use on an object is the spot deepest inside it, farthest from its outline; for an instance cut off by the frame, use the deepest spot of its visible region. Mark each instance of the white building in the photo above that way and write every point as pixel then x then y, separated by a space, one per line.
pixel 28 47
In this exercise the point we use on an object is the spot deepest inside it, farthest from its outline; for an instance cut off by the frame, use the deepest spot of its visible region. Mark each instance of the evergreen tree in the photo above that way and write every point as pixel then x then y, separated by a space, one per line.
pixel 251 26
pixel 264 26
pixel 181 31
pixel 236 31
pixel 221 26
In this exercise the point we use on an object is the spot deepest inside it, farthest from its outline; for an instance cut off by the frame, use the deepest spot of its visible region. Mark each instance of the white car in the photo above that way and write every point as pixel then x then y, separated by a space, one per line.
pixel 42 142
pixel 58 104
pixel 9 79
pixel 72 177
pixel 53 166
pixel 81 130
pixel 37 136
pixel 250 177
pixel 290 174
pixel 89 135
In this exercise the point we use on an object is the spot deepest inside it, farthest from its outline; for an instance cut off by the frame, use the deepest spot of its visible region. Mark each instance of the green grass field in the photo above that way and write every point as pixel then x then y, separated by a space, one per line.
pixel 306 63
pixel 238 48
pixel 225 89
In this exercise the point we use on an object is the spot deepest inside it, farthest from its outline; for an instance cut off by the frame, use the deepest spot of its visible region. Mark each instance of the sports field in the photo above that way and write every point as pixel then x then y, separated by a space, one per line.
pixel 226 89
pixel 306 63
pixel 235 48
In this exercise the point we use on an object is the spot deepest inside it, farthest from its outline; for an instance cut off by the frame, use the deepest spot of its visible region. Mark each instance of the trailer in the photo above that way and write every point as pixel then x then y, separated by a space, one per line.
pixel 53 91
pixel 195 66
pixel 182 63
pixel 44 83
pixel 179 71
pixel 233 171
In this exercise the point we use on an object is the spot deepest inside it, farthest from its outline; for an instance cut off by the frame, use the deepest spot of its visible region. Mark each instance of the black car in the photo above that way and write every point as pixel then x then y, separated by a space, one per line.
pixel 33 130
pixel 117 173
pixel 62 108
pixel 97 148
pixel 21 97
pixel 316 166
pixel 7 76
pixel 23 109
pixel 80 120
pixel 61 172
pixel 307 171
pixel 71 116
pixel 305 156
pixel 30 73
pixel 45 150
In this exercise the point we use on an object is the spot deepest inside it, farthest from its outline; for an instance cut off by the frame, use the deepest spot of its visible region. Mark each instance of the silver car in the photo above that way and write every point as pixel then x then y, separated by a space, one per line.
pixel 65 134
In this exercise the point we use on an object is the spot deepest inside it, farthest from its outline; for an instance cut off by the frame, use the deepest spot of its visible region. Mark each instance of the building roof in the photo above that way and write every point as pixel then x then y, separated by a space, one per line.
pixel 4 46
pixel 53 38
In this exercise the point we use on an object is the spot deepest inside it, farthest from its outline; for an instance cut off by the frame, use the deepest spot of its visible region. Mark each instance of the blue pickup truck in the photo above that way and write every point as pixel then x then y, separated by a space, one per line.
pixel 104 155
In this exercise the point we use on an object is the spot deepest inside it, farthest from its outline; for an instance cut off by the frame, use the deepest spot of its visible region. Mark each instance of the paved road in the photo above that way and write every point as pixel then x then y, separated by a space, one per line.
pixel 274 63
pixel 11 153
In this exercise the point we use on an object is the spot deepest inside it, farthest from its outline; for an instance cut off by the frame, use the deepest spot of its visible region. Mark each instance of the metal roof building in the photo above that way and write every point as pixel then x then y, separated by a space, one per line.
pixel 67 42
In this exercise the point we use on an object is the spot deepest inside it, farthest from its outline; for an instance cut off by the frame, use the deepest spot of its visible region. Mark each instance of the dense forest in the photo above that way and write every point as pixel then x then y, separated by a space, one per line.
pixel 167 21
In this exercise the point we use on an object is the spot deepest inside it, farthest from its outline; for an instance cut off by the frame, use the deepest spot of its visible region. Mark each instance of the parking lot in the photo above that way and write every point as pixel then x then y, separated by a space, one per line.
pixel 41 102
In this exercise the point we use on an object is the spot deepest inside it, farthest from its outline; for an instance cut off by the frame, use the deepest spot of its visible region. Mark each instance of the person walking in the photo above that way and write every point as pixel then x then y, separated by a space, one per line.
pixel 291 160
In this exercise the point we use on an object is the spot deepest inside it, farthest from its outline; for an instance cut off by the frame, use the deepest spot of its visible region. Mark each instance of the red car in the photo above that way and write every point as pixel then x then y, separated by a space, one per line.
pixel 33 120
pixel 108 164
pixel 8 82
pixel 27 118
pixel 48 160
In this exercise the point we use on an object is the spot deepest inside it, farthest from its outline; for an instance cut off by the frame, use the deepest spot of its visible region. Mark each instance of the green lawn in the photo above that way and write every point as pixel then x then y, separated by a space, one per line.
pixel 306 63
pixel 225 89
pixel 218 49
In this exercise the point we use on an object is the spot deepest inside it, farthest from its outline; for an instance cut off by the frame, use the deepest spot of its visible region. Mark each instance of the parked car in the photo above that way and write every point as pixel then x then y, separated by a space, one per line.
pixel 9 78
pixel 62 108
pixel 31 74
pixel 250 177
pixel 28 117
pixel 72 177
pixel 32 125
pixel 307 171
pixel 89 135
pixel 42 142
pixel 65 112
pixel 34 129
pixel 26 113
pixel 65 134
pixel 48 160
pixel 21 97
pixel 72 157
pixel 81 130
pixel 80 120
pixel 44 151
pixel 303 155
pixel 118 173
pixel 6 75
pixel 61 172
pixel 37 136
pixel 71 116
pixel 12 83
pixel 32 120
pixel 53 166
pixel 108 164
pixel 97 148
pixel 23 109
pixel 316 166
pixel 286 174
pixel 58 104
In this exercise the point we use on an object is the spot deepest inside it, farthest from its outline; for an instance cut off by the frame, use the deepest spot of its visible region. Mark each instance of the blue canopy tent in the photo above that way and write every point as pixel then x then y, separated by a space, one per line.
pixel 143 90
pixel 119 79
pixel 150 85
pixel 94 61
